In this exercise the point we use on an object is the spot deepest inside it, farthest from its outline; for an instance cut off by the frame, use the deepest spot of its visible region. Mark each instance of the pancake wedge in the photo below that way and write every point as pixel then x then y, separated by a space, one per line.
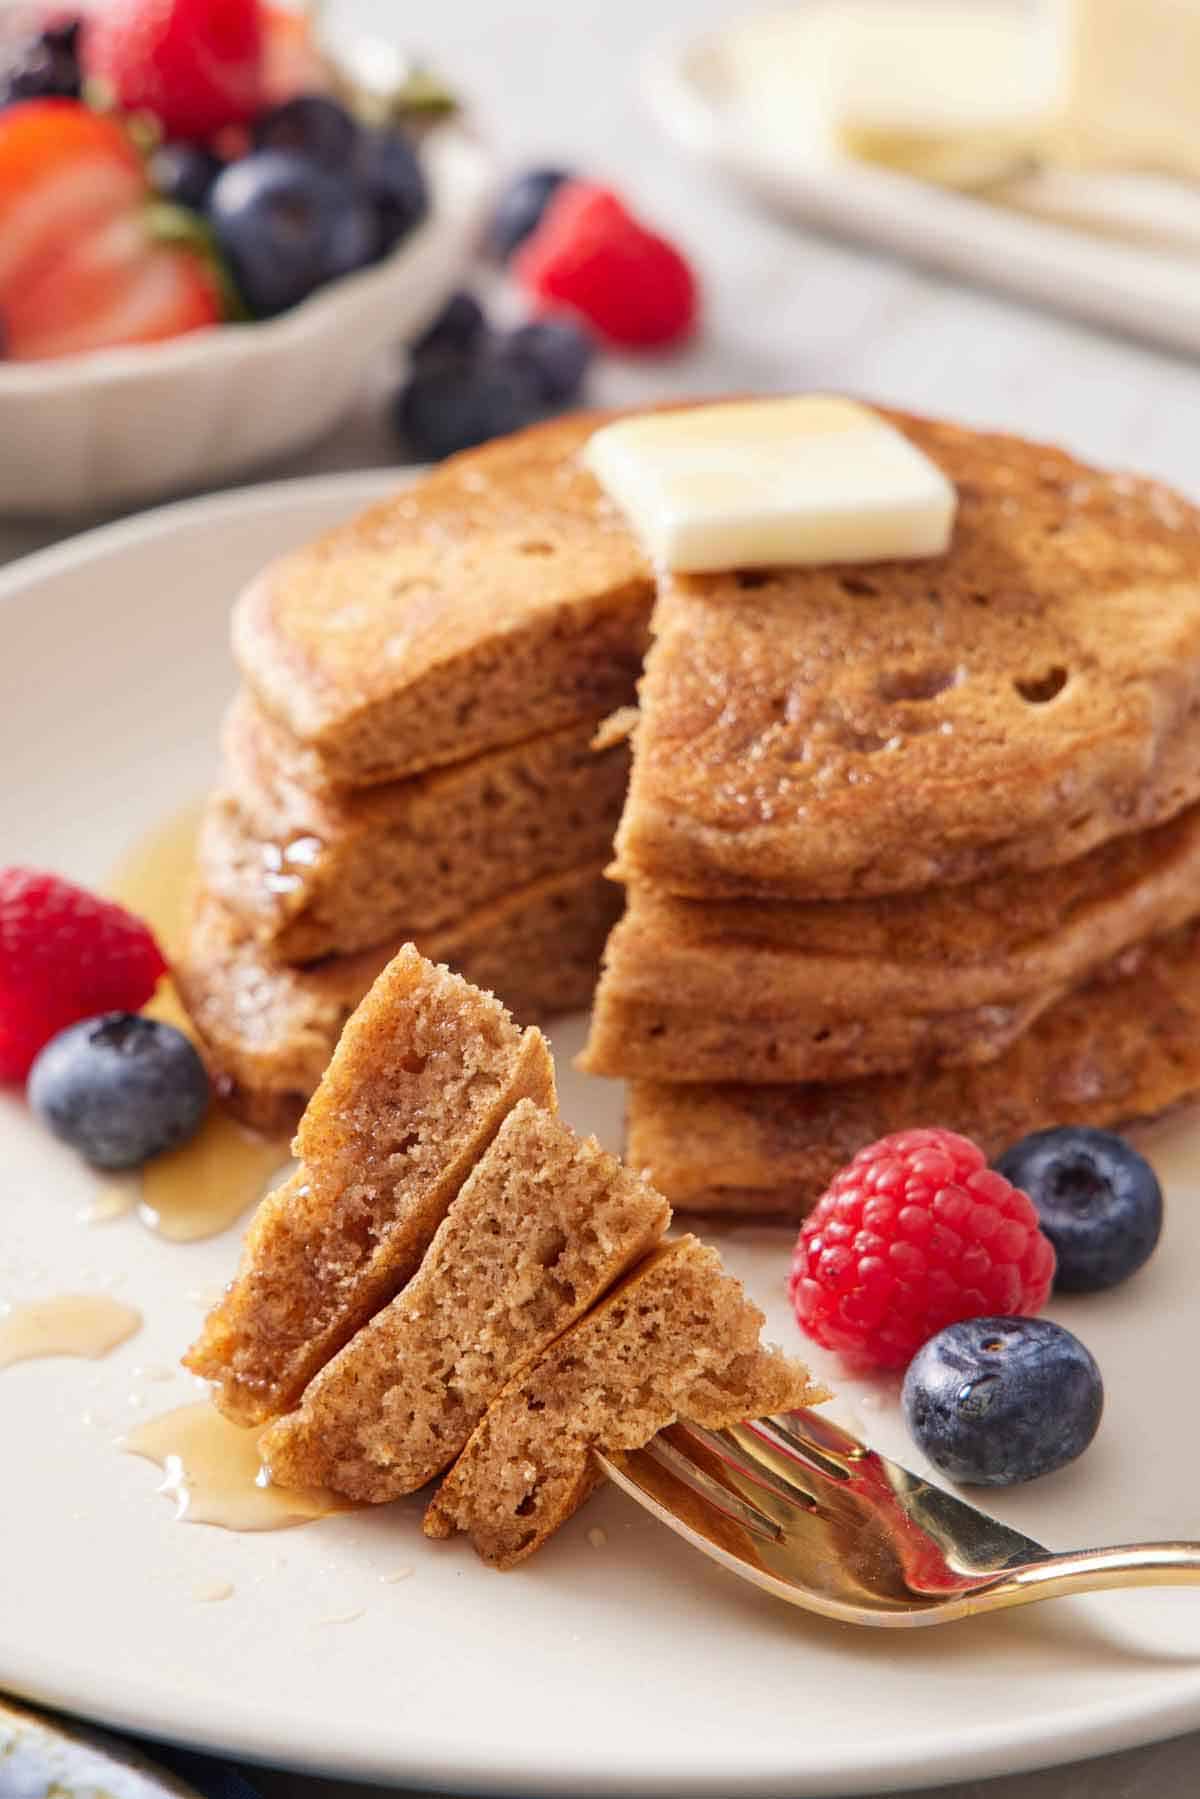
pixel 425 1073
pixel 677 1339
pixel 539 1231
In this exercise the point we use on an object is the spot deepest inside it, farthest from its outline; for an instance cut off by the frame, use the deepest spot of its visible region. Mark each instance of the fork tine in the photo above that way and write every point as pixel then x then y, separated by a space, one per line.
pixel 706 1486
pixel 828 1449
pixel 747 1466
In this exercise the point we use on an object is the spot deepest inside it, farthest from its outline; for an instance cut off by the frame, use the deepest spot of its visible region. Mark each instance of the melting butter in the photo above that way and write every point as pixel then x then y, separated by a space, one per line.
pixel 764 483
pixel 69 1324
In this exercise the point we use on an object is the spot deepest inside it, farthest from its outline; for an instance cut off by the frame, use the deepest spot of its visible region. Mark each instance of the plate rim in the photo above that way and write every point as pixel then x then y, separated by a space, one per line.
pixel 1085 1731
pixel 359 486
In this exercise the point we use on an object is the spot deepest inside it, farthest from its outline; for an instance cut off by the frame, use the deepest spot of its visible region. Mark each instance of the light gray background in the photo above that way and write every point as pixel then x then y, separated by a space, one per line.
pixel 554 80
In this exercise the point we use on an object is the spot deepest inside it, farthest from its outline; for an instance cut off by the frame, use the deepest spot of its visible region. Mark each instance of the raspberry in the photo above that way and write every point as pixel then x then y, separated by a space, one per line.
pixel 914 1234
pixel 590 254
pixel 65 954
pixel 197 65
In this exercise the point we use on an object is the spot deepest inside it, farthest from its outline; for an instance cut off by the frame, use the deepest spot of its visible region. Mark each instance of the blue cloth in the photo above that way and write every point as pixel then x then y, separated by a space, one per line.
pixel 215 1779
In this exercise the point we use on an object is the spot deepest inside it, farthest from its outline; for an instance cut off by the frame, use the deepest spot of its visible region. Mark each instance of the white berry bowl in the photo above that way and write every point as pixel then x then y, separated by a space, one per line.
pixel 117 427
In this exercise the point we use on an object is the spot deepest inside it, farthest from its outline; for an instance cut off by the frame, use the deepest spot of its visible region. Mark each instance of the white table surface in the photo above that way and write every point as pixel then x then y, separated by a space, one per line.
pixel 785 310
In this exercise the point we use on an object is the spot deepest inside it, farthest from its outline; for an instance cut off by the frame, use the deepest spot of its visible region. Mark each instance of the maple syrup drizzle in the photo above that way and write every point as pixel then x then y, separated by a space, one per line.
pixel 212 1471
pixel 69 1324
pixel 115 1199
pixel 202 1188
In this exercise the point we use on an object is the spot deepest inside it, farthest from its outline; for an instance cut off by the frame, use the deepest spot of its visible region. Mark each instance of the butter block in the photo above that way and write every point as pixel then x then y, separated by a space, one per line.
pixel 763 483
pixel 953 95
pixel 959 95
pixel 1128 84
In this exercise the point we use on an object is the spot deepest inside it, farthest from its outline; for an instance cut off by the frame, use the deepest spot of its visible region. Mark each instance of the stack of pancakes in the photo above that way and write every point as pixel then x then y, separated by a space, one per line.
pixel 411 758
pixel 914 843
pixel 909 843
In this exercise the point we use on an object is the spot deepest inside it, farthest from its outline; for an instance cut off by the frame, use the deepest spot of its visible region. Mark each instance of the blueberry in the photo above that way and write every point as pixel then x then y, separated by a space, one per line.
pixel 119 1088
pixel 557 353
pixel 520 207
pixel 286 226
pixel 455 406
pixel 313 125
pixel 42 66
pixel 183 173
pixel 1099 1202
pixel 995 1401
pixel 459 329
pixel 389 172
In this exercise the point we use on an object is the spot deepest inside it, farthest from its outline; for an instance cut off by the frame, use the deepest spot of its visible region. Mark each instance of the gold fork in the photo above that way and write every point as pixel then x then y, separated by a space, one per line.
pixel 804 1510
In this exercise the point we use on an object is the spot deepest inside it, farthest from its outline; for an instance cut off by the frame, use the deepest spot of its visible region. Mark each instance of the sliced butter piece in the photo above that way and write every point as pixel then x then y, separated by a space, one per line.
pixel 763 483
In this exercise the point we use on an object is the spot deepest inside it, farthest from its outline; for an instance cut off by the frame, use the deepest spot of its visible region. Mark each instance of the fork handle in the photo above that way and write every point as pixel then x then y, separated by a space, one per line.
pixel 1096 1571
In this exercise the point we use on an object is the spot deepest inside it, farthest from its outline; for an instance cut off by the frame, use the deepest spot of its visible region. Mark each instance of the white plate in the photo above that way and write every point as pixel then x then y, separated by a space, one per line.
pixel 635 1666
pixel 1150 288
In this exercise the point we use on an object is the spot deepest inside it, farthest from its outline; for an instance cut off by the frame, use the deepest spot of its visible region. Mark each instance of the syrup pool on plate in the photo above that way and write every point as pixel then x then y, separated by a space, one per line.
pixel 204 1187
pixel 68 1324
pixel 211 1469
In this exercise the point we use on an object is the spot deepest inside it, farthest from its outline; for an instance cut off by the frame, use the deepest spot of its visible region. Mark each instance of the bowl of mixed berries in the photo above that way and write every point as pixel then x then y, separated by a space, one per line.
pixel 209 228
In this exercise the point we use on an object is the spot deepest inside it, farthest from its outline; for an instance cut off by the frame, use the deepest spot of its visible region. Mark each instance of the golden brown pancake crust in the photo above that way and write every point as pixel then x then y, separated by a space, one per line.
pixel 771 991
pixel 500 597
pixel 838 731
pixel 1124 1047
pixel 316 875
pixel 267 1030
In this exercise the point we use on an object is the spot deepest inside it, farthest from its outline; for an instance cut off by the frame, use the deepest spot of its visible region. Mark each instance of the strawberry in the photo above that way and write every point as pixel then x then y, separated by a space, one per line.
pixel 115 286
pixel 79 268
pixel 590 254
pixel 63 171
pixel 197 65
pixel 65 954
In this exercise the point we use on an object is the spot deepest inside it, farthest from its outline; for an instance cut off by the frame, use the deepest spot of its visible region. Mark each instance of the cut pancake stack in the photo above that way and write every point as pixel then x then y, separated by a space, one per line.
pixel 914 842
pixel 412 757
pixel 910 842
pixel 452 1276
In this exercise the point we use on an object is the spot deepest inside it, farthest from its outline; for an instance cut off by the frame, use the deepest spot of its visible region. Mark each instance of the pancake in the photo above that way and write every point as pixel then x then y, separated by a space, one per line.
pixel 499 598
pixel 771 991
pixel 677 1339
pixel 267 1030
pixel 426 1072
pixel 1125 1047
pixel 315 875
pixel 540 1230
pixel 847 730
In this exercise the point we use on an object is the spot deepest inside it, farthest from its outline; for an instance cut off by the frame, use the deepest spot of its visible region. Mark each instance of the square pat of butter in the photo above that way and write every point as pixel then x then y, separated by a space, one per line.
pixel 762 483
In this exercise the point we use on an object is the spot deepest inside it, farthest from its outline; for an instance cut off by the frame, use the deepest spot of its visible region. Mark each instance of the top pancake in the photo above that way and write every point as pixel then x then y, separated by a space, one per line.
pixel 498 599
pixel 822 732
